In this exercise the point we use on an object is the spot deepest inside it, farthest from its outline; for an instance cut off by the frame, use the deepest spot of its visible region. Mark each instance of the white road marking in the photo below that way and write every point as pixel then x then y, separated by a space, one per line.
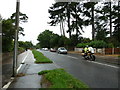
pixel 68 56
pixel 22 62
pixel 8 84
pixel 61 54
pixel 56 65
pixel 72 57
pixel 94 62
pixel 103 64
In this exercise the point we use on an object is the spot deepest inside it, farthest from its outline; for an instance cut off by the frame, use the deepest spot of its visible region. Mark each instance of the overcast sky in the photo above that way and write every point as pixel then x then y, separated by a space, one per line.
pixel 37 11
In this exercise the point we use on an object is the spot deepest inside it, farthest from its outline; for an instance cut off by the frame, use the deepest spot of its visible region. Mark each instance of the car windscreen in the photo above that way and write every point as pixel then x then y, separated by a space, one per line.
pixel 62 48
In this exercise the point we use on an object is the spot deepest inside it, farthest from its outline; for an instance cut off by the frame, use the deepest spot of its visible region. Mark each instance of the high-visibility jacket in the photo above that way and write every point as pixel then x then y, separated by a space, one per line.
pixel 86 49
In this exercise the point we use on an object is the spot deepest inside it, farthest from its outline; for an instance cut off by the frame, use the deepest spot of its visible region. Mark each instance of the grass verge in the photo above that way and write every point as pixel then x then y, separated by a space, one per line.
pixel 61 79
pixel 40 58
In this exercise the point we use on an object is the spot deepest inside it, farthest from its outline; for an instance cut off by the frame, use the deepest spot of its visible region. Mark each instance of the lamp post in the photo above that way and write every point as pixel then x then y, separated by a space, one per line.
pixel 16 38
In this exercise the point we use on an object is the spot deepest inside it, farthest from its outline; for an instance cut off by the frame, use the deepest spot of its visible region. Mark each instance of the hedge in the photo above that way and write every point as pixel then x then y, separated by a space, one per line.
pixel 95 44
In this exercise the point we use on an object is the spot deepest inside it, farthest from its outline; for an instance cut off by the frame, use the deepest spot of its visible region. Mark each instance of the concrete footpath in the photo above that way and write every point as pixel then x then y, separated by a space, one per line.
pixel 28 73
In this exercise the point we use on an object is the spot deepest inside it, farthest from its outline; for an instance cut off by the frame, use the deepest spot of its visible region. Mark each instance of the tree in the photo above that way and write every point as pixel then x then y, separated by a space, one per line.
pixel 44 38
pixel 57 12
pixel 74 40
pixel 54 40
pixel 88 11
pixel 64 12
pixel 25 44
pixel 116 33
pixel 8 31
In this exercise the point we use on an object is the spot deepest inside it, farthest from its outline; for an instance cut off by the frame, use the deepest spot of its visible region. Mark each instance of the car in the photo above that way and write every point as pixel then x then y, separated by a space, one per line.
pixel 52 49
pixel 45 49
pixel 62 50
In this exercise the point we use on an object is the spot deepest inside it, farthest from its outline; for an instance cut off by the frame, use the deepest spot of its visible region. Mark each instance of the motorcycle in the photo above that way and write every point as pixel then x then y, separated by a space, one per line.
pixel 89 56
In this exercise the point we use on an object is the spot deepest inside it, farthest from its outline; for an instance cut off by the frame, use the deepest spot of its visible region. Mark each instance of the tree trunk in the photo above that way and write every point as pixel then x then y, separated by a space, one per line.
pixel 68 15
pixel 93 28
pixel 60 25
pixel 63 28
pixel 118 15
pixel 76 20
pixel 110 20
pixel 60 29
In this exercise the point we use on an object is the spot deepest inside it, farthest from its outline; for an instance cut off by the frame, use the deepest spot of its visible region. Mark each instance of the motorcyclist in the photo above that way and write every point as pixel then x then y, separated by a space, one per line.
pixel 86 50
pixel 91 50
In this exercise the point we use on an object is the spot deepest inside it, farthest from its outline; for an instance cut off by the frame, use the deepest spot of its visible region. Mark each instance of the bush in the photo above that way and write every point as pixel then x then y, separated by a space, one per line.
pixel 98 44
pixel 82 45
pixel 21 49
pixel 95 44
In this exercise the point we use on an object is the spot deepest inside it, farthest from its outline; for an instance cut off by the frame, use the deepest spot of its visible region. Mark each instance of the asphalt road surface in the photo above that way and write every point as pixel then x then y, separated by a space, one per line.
pixel 93 73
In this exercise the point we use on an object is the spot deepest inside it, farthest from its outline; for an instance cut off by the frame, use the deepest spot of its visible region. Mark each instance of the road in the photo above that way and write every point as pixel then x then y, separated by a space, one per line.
pixel 94 74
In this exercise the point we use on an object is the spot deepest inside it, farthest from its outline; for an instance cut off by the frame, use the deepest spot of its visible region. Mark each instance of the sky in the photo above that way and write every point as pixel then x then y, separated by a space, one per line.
pixel 38 16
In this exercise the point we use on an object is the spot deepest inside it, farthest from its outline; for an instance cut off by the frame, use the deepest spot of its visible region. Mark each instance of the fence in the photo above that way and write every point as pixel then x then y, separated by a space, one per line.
pixel 112 50
pixel 103 50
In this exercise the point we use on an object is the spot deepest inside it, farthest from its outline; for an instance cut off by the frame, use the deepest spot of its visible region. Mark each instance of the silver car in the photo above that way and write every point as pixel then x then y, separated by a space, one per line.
pixel 62 50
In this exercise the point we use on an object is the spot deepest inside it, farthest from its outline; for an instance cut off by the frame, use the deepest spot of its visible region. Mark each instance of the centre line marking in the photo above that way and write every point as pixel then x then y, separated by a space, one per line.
pixel 103 64
pixel 72 57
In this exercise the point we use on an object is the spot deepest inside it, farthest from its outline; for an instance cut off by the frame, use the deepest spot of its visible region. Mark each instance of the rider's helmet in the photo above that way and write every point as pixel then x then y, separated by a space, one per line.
pixel 87 46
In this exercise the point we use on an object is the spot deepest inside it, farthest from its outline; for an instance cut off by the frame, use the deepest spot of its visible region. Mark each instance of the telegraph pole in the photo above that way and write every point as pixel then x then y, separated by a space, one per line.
pixel 16 38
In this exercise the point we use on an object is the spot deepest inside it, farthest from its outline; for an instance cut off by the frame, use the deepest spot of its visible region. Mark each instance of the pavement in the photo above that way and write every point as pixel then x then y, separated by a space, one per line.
pixel 27 76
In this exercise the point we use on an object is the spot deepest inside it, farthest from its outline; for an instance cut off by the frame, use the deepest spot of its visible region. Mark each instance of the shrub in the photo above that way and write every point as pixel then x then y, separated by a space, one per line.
pixel 98 44
pixel 95 44
pixel 82 45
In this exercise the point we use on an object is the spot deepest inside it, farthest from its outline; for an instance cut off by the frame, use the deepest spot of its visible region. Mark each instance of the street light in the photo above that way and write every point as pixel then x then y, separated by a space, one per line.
pixel 16 38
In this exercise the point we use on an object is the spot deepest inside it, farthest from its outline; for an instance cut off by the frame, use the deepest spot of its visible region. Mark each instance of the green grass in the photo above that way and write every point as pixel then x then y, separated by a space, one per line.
pixel 40 58
pixel 61 79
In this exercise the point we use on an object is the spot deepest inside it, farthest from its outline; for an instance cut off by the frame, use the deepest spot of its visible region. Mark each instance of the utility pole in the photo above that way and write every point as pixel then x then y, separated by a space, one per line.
pixel 16 38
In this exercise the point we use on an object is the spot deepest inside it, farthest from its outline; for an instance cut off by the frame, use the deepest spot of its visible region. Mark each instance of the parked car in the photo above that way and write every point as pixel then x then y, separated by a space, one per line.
pixel 45 49
pixel 62 50
pixel 52 49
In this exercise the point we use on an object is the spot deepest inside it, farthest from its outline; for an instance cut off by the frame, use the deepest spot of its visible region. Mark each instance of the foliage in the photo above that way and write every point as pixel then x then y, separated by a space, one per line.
pixel 101 35
pixel 82 45
pixel 74 40
pixel 85 40
pixel 40 58
pixel 106 15
pixel 38 46
pixel 95 44
pixel 21 49
pixel 44 38
pixel 48 39
pixel 61 79
pixel 66 12
pixel 8 31
pixel 7 35
pixel 54 40
pixel 25 44
pixel 98 44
